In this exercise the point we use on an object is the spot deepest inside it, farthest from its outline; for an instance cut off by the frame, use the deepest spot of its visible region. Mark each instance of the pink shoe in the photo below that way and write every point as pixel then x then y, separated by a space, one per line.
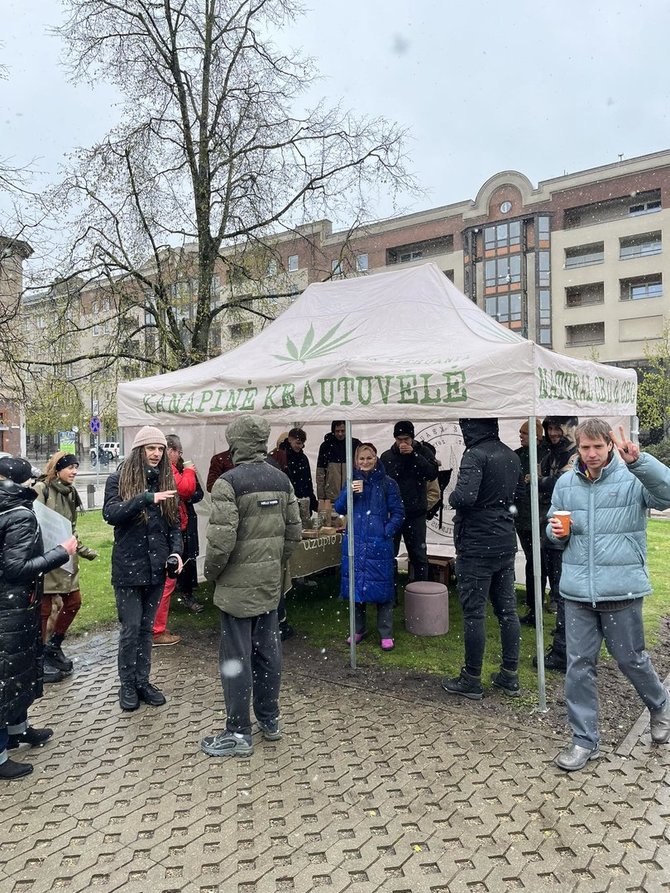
pixel 387 644
pixel 358 637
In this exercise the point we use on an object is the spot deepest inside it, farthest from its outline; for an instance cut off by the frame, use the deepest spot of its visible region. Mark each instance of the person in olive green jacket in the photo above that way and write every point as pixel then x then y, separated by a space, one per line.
pixel 57 492
pixel 253 528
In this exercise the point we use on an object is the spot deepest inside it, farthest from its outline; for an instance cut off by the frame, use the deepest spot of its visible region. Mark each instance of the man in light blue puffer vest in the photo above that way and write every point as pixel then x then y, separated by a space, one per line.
pixel 605 577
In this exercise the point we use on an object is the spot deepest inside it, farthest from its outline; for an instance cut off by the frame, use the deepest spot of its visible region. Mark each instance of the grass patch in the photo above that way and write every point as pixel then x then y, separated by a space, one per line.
pixel 322 617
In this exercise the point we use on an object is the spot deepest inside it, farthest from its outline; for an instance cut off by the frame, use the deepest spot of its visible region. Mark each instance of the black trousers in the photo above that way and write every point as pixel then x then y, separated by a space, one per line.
pixel 413 531
pixel 526 540
pixel 136 608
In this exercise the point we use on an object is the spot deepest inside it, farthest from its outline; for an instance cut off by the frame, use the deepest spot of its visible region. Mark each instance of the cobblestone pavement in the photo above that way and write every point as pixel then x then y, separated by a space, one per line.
pixel 364 792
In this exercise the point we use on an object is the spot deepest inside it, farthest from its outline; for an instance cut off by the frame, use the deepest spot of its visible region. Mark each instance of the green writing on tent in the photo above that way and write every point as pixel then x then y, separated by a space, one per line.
pixel 556 384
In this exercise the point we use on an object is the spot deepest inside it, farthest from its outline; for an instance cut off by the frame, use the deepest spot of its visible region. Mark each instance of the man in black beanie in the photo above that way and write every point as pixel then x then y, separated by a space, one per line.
pixel 411 465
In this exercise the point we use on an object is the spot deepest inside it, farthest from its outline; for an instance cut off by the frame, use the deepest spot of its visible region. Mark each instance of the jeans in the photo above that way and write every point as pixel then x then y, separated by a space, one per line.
pixel 136 608
pixel 526 540
pixel 250 665
pixel 413 531
pixel 480 579
pixel 553 560
pixel 623 633
pixel 13 728
pixel 384 619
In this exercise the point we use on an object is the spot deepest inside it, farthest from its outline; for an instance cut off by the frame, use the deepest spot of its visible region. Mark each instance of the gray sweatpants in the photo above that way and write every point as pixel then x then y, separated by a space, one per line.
pixel 250 665
pixel 623 632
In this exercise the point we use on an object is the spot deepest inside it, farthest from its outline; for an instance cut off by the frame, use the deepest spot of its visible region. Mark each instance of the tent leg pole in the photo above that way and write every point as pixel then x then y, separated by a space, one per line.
pixel 350 548
pixel 537 567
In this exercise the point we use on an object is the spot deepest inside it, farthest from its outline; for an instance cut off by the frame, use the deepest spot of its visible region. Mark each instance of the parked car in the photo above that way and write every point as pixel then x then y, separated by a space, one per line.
pixel 105 453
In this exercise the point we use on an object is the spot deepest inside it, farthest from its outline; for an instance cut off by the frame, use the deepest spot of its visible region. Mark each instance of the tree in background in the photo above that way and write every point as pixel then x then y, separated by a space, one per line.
pixel 215 155
pixel 653 395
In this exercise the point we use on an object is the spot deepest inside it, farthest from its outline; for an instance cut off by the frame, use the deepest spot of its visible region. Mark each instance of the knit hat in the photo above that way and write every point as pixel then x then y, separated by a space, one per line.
pixel 148 435
pixel 403 429
pixel 66 461
pixel 16 469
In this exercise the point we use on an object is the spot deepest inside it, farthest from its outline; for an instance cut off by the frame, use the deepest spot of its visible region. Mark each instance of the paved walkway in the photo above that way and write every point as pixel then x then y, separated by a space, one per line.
pixel 364 792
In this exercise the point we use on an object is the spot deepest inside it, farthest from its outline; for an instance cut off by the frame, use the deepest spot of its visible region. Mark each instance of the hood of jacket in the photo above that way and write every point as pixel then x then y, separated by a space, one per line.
pixel 476 430
pixel 14 495
pixel 248 439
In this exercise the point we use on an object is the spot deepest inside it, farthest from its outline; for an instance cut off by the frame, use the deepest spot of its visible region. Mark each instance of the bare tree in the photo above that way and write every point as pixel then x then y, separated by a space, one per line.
pixel 214 156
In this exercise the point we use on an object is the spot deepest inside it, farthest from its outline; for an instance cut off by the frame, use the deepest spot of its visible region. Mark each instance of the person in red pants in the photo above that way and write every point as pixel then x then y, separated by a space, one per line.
pixel 189 492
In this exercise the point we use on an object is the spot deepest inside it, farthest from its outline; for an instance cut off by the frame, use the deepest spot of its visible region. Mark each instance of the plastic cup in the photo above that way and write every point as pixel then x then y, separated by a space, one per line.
pixel 357 486
pixel 564 518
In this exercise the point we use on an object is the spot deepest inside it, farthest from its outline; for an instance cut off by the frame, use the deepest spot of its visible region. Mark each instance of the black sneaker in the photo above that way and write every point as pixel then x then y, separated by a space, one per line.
pixel 191 602
pixel 270 729
pixel 31 736
pixel 128 698
pixel 552 661
pixel 286 631
pixel 465 685
pixel 150 695
pixel 507 682
pixel 527 619
pixel 10 769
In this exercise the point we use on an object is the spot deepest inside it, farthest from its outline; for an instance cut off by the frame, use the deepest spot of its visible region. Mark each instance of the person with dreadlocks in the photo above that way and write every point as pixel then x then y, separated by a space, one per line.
pixel 140 504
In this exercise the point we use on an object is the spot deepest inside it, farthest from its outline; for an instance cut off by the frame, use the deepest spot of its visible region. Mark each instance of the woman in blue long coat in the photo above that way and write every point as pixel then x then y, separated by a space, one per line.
pixel 378 515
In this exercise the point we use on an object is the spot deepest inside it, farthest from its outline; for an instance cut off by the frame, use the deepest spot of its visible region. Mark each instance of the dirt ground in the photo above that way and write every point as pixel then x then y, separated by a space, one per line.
pixel 620 706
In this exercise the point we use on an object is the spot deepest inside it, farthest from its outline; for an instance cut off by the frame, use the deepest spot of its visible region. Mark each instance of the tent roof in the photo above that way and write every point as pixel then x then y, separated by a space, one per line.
pixel 392 345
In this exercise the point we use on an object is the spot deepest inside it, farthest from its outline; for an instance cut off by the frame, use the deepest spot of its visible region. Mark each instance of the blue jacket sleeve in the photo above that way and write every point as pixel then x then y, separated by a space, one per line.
pixel 655 479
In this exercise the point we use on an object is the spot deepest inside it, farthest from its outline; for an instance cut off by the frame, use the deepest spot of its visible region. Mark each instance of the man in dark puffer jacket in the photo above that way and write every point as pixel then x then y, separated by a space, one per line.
pixel 489 480
pixel 411 465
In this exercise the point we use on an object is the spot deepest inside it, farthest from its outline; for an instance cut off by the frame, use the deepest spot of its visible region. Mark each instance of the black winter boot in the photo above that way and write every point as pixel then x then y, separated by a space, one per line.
pixel 53 650
pixel 465 685
pixel 51 672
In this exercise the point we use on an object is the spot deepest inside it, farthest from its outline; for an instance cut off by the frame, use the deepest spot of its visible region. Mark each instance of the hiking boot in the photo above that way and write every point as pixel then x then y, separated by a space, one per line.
pixel 270 729
pixel 465 685
pixel 150 695
pixel 191 602
pixel 227 744
pixel 10 769
pixel 128 697
pixel 507 682
pixel 286 631
pixel 576 757
pixel 660 723
pixel 166 638
pixel 54 654
pixel 552 661
pixel 31 736
pixel 51 672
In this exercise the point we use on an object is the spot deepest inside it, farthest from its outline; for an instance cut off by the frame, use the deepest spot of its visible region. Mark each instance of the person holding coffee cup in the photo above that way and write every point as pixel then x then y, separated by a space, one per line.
pixel 378 516
pixel 605 577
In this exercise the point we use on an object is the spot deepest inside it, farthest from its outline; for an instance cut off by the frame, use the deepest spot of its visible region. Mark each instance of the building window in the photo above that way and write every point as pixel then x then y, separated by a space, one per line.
pixel 403 254
pixel 361 263
pixel 502 271
pixel 649 207
pixel 543 229
pixel 582 295
pixel 292 263
pixel 240 331
pixel 583 255
pixel 505 308
pixel 503 235
pixel 640 245
pixel 336 267
pixel 642 287
pixel 587 333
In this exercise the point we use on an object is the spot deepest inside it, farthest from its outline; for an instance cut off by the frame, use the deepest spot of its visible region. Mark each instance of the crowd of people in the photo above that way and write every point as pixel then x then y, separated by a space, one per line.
pixel 595 570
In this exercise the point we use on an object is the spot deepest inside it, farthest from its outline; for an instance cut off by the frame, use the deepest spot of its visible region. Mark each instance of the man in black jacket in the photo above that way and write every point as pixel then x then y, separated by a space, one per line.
pixel 412 465
pixel 489 480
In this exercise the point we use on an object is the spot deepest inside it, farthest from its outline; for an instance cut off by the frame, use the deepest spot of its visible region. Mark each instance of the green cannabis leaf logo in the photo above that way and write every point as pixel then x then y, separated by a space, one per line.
pixel 312 349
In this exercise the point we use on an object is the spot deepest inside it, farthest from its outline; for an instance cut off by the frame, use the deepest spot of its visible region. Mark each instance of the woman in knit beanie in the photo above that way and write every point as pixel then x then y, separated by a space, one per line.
pixel 141 504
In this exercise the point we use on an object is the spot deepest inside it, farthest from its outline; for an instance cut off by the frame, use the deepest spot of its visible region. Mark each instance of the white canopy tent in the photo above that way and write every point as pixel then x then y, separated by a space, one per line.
pixel 398 344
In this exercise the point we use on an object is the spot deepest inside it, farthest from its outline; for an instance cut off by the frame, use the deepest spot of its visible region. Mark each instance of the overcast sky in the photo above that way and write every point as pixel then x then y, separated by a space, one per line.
pixel 540 87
